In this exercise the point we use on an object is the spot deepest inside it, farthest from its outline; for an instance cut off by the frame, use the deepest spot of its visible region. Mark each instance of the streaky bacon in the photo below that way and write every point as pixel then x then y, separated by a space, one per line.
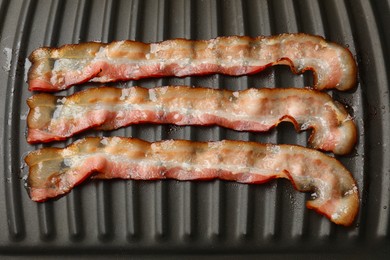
pixel 107 108
pixel 56 171
pixel 55 69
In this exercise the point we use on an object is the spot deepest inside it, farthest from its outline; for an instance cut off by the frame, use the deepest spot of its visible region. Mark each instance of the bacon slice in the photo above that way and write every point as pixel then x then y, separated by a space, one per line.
pixel 55 69
pixel 55 171
pixel 106 108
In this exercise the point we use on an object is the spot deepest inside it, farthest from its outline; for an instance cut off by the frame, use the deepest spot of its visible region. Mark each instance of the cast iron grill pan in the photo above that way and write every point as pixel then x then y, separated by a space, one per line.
pixel 213 217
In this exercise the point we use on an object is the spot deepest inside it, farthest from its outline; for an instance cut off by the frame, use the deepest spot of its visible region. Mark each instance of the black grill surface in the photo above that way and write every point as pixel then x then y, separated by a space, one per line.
pixel 168 218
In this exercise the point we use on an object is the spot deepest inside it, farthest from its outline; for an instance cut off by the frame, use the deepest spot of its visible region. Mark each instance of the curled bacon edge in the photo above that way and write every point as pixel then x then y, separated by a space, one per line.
pixel 56 171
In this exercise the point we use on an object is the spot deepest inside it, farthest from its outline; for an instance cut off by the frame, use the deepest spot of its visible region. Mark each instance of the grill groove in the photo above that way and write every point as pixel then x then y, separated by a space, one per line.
pixel 374 74
pixel 132 220
pixel 14 209
pixel 131 187
pixel 74 204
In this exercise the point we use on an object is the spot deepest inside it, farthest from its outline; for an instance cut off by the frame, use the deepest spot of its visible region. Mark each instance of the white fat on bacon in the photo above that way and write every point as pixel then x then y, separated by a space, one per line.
pixel 56 171
pixel 55 69
pixel 106 108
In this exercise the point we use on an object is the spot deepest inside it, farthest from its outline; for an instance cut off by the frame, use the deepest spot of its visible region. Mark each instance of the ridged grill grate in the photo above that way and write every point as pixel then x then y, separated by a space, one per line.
pixel 195 217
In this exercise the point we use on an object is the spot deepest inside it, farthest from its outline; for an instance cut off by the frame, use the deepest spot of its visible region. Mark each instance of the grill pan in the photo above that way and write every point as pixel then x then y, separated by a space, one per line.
pixel 171 218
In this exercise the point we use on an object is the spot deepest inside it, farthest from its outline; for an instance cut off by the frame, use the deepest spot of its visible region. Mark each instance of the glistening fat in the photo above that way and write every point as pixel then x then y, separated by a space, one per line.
pixel 54 118
pixel 55 69
pixel 56 171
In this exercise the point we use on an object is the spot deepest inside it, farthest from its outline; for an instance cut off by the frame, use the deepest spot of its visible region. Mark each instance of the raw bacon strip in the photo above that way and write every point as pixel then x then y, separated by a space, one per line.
pixel 55 69
pixel 55 171
pixel 107 108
